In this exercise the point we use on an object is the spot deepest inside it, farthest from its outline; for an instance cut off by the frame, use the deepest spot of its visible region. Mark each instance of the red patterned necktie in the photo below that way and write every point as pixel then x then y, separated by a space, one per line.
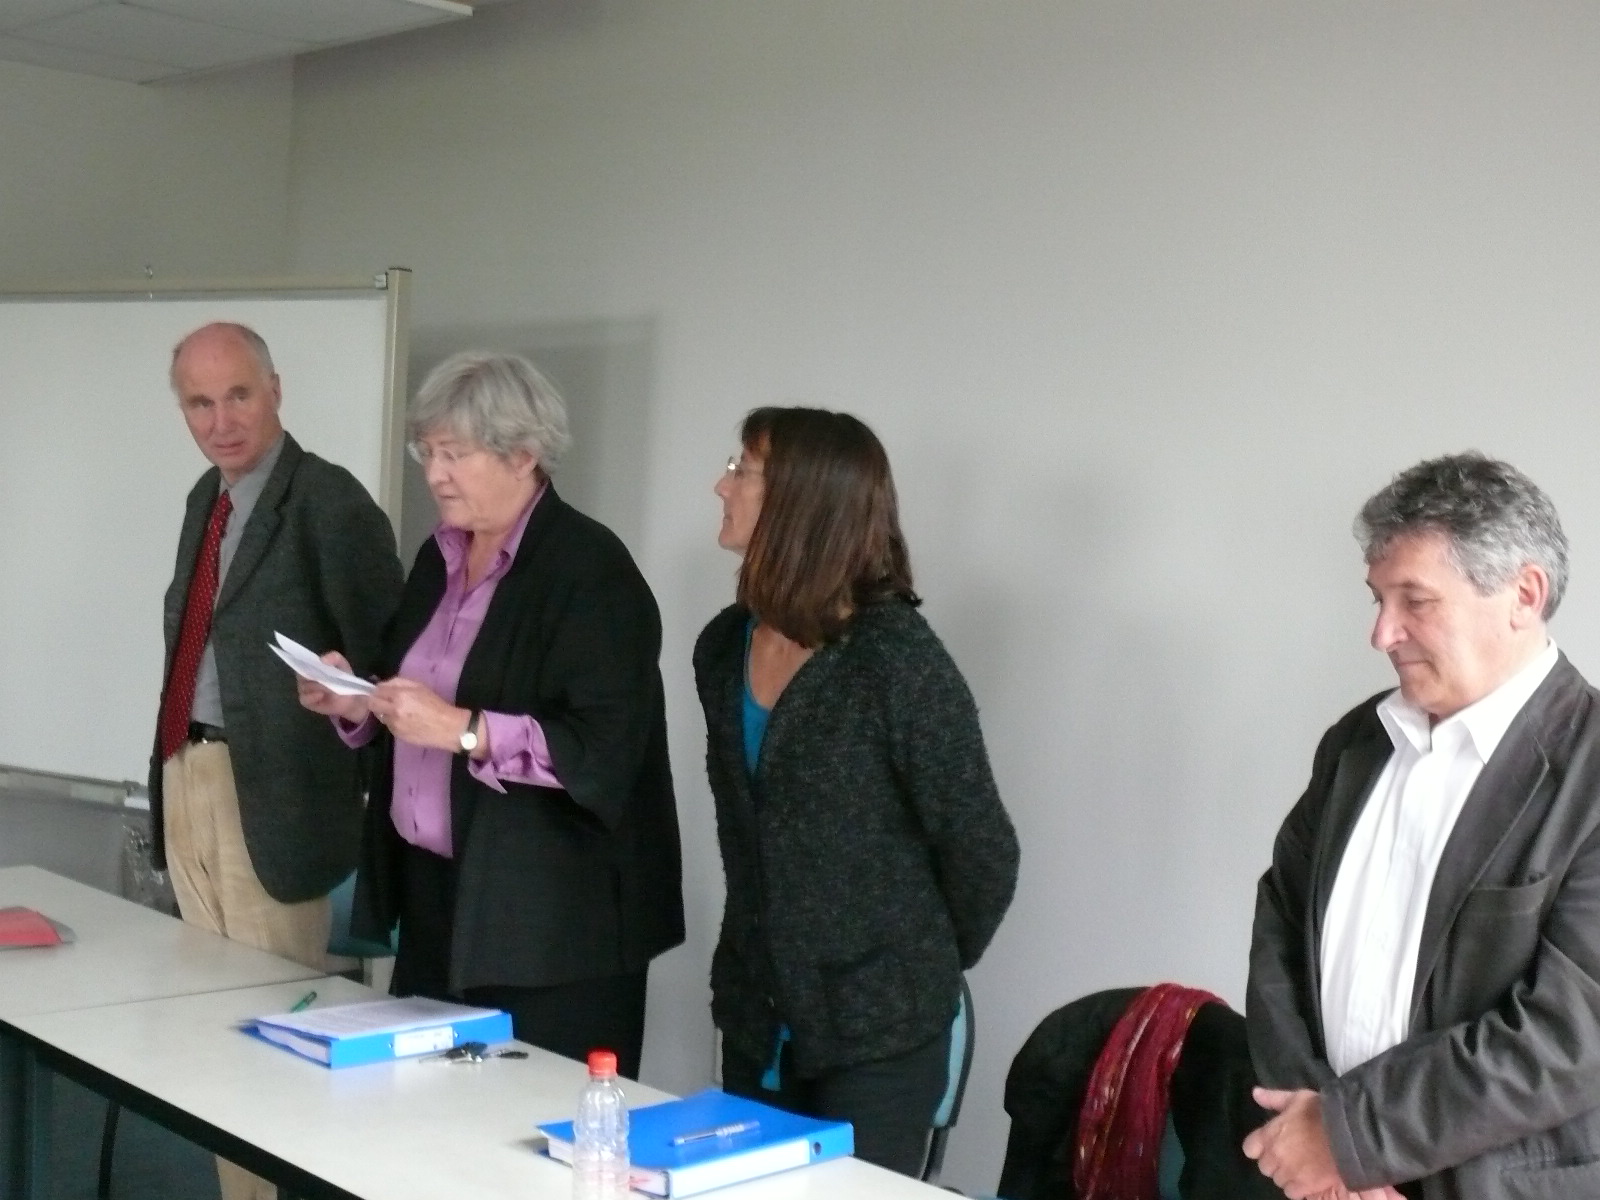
pixel 178 700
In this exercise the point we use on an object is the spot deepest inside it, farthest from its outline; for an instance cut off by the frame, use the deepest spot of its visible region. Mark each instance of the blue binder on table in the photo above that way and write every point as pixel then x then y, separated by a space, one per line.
pixel 350 1035
pixel 711 1139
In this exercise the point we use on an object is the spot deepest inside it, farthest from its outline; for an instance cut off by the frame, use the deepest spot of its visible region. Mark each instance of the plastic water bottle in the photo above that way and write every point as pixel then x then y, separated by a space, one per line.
pixel 600 1134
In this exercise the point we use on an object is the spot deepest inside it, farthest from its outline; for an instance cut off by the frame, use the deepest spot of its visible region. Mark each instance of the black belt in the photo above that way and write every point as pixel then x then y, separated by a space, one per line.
pixel 200 732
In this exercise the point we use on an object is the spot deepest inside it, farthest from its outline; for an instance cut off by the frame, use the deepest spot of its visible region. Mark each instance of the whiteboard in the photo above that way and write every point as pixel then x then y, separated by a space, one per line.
pixel 95 463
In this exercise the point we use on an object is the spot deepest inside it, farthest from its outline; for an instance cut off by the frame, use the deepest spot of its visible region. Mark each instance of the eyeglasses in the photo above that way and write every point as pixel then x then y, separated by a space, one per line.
pixel 739 471
pixel 448 456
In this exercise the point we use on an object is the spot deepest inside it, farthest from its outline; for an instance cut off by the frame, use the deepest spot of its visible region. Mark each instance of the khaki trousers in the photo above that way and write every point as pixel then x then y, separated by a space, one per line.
pixel 217 888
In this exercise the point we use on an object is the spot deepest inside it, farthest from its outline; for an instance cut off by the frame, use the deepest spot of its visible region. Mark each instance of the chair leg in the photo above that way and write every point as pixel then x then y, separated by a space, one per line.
pixel 935 1160
pixel 108 1149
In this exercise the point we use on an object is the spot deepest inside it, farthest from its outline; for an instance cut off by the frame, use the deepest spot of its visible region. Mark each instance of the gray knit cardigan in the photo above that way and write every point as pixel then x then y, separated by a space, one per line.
pixel 869 861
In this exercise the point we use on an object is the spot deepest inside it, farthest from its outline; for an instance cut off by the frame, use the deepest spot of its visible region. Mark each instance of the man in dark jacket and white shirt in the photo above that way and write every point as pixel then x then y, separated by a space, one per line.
pixel 255 803
pixel 1424 998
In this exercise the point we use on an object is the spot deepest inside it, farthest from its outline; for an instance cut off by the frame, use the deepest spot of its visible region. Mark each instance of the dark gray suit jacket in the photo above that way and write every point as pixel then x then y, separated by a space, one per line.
pixel 317 562
pixel 1494 1092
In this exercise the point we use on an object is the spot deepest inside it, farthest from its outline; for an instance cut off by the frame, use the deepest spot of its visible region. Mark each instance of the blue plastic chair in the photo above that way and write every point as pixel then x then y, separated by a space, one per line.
pixel 944 1117
pixel 1169 1167
pixel 341 941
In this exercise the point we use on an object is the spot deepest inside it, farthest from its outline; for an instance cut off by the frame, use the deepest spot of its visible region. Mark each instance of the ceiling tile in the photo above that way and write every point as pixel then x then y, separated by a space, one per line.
pixel 14 14
pixel 83 62
pixel 318 21
pixel 120 30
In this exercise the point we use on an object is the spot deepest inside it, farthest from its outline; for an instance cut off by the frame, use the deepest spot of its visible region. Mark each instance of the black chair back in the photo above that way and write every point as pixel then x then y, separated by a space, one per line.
pixel 1211 1107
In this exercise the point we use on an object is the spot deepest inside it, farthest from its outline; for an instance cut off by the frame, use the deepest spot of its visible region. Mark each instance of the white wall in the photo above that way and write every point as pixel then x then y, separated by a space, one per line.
pixel 1144 299
pixel 99 177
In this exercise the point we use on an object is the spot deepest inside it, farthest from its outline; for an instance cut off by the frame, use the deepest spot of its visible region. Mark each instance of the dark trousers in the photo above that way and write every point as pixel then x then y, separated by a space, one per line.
pixel 570 1019
pixel 890 1103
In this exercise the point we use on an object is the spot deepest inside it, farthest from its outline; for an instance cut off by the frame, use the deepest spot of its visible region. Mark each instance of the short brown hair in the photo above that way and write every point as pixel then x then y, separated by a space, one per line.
pixel 828 538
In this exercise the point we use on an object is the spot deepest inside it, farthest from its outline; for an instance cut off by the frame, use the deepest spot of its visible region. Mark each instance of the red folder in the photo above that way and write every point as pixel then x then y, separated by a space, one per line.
pixel 24 927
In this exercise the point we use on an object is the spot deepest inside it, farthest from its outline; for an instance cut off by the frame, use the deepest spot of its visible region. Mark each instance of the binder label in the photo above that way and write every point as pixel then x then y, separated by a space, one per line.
pixel 424 1041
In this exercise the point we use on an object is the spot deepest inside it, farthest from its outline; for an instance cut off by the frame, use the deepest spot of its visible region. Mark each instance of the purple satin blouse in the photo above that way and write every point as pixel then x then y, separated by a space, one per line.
pixel 518 752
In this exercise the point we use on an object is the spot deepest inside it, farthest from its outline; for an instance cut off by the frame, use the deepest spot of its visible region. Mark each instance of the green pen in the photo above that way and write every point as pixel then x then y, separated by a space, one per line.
pixel 304 1002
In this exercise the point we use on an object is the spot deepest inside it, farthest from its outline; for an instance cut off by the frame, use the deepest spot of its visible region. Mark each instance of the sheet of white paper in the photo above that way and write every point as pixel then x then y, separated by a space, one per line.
pixel 373 1016
pixel 308 666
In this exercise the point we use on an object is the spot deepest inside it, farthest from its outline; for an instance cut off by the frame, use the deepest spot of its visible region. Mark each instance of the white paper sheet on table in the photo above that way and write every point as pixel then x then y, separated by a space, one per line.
pixel 307 665
pixel 388 1015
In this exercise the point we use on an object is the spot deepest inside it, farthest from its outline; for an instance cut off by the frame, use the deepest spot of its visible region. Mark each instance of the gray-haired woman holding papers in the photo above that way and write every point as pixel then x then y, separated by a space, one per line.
pixel 521 828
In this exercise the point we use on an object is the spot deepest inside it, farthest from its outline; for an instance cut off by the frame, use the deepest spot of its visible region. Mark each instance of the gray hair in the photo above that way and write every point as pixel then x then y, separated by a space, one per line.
pixel 1494 518
pixel 500 401
pixel 256 344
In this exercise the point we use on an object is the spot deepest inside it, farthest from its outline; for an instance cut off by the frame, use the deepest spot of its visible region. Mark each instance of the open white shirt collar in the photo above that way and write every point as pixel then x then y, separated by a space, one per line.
pixel 1484 721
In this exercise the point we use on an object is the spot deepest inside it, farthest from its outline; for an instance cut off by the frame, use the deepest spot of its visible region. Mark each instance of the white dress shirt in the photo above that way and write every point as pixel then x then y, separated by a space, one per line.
pixel 1373 926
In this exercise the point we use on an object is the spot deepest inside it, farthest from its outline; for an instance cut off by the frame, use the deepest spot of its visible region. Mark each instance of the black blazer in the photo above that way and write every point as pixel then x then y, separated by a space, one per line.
pixel 1494 1092
pixel 317 562
pixel 870 861
pixel 554 885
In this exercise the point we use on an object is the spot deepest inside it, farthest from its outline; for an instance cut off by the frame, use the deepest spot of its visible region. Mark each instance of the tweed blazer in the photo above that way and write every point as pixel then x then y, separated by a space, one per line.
pixel 869 861
pixel 315 561
pixel 554 885
pixel 1494 1093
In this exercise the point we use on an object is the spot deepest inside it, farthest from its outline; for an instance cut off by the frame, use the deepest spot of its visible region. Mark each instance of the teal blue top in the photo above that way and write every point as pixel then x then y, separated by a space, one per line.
pixel 755 730
pixel 755 717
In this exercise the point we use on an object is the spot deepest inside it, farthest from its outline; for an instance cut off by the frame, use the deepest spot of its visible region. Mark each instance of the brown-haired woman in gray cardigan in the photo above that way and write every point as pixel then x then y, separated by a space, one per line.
pixel 868 857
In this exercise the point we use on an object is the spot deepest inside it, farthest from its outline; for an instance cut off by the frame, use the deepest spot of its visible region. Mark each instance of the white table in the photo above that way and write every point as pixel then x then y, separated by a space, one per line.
pixel 407 1130
pixel 124 953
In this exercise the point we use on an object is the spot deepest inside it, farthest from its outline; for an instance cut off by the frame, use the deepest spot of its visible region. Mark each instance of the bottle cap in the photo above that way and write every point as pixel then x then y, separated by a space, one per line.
pixel 602 1064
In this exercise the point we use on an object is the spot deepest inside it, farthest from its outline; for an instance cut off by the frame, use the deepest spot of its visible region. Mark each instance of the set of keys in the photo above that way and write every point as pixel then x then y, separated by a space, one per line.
pixel 474 1052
